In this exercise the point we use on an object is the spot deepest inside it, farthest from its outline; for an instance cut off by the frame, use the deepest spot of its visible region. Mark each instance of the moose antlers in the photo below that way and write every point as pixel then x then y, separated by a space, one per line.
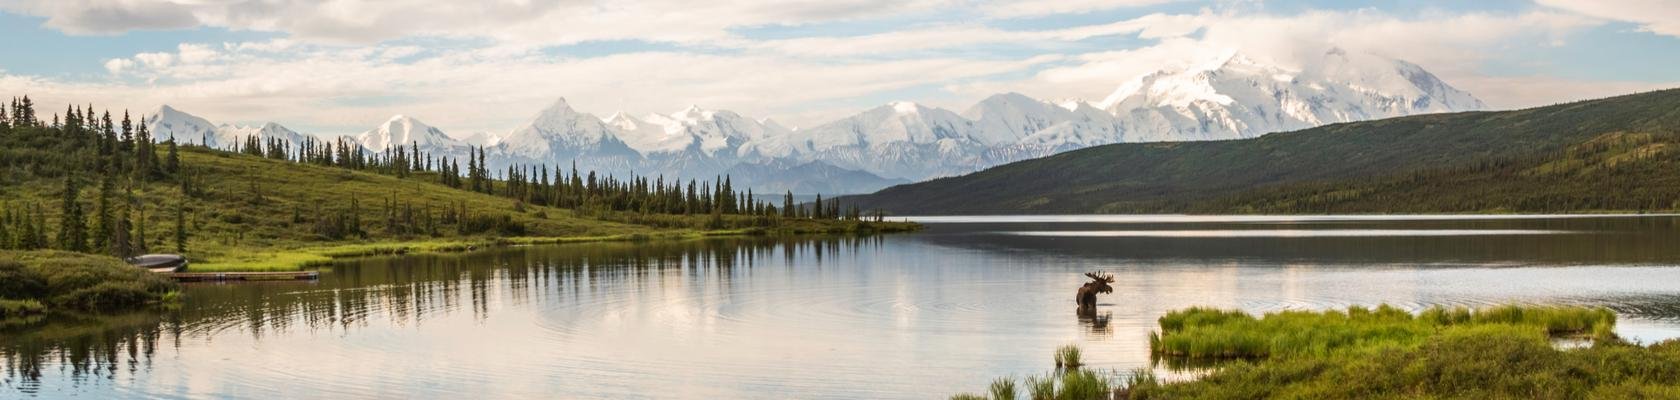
pixel 1100 276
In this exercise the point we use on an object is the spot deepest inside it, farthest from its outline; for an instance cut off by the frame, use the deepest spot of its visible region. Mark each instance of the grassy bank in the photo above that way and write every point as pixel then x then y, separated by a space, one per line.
pixel 291 259
pixel 36 282
pixel 1496 352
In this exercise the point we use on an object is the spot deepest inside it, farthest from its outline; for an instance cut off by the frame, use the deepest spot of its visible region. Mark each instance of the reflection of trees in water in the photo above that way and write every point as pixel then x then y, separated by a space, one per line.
pixel 83 347
pixel 399 291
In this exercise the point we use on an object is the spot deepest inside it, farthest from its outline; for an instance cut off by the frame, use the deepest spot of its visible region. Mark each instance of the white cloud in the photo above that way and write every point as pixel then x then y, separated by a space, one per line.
pixel 1452 46
pixel 540 22
pixel 118 65
pixel 1532 91
pixel 493 89
pixel 335 69
pixel 1027 8
pixel 1656 16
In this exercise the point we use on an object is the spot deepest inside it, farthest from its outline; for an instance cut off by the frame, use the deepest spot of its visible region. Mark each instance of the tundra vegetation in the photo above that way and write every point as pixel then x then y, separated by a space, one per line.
pixel 1508 351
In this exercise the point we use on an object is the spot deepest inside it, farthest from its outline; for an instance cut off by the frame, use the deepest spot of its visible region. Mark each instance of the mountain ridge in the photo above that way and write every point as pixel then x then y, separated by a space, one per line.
pixel 1282 171
pixel 1228 97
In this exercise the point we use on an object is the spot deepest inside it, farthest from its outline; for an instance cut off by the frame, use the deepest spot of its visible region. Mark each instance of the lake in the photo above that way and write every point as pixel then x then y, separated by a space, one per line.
pixel 912 316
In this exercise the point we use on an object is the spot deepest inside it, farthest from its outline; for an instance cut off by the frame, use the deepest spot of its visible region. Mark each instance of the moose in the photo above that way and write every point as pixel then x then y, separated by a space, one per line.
pixel 1087 297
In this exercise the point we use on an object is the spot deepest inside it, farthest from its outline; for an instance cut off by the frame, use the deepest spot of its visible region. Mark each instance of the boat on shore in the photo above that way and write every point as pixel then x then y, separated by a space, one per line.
pixel 159 262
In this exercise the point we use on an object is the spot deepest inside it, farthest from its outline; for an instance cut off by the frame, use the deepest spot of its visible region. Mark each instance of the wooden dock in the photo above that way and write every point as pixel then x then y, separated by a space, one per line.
pixel 244 276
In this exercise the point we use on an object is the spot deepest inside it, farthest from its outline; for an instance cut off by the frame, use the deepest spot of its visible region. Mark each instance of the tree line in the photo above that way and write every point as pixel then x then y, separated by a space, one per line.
pixel 95 154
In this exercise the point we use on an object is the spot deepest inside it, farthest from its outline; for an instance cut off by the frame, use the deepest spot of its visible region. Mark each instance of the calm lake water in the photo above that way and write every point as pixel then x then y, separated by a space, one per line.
pixel 903 316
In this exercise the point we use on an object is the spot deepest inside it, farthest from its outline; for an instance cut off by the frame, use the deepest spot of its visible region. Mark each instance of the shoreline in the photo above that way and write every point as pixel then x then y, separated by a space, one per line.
pixel 301 258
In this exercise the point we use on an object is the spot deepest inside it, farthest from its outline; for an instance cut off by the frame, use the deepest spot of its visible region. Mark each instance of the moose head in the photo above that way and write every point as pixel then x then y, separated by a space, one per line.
pixel 1099 281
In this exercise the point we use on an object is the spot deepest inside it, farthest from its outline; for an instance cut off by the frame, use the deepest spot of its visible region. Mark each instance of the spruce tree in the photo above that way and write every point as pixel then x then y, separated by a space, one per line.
pixel 173 164
pixel 119 244
pixel 181 227
pixel 140 245
pixel 101 234
pixel 72 230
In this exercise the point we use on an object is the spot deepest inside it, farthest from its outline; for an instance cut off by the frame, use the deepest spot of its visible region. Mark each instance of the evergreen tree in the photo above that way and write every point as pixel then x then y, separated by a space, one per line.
pixel 140 245
pixel 102 223
pixel 173 164
pixel 72 230
pixel 119 244
pixel 181 228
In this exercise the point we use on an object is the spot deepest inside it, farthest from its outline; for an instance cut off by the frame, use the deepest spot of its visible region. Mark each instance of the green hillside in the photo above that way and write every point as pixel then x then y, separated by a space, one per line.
pixel 283 205
pixel 1614 154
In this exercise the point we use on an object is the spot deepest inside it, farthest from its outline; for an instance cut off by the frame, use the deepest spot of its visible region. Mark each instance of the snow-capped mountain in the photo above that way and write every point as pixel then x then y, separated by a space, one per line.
pixel 481 139
pixel 1228 97
pixel 166 121
pixel 401 131
pixel 1235 96
pixel 228 134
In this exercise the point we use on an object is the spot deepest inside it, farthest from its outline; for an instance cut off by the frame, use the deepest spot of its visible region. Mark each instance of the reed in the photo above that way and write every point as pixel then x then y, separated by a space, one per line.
pixel 1041 388
pixel 1067 356
pixel 1003 388
pixel 1083 385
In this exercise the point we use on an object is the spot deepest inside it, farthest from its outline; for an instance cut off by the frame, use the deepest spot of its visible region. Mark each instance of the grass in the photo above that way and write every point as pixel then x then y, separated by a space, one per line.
pixel 1201 333
pixel 257 214
pixel 1067 356
pixel 34 282
pixel 1502 352
pixel 1003 388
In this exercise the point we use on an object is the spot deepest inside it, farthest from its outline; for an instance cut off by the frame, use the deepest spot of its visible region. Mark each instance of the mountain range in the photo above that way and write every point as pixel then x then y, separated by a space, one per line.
pixel 1608 155
pixel 1231 96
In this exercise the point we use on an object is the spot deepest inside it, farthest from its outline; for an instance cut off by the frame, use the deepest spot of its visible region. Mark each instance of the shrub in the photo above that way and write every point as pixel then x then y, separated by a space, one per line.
pixel 17 282
pixel 19 308
pixel 79 281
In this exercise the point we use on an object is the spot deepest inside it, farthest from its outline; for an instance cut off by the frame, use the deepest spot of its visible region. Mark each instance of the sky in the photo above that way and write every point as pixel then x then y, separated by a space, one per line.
pixel 343 66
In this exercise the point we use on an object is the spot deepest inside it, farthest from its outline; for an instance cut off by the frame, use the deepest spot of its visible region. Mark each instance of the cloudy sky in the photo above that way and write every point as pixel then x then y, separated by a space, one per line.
pixel 342 66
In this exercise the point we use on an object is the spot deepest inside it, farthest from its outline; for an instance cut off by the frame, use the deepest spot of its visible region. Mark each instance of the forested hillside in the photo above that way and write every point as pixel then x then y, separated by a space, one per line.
pixel 1614 154
pixel 94 182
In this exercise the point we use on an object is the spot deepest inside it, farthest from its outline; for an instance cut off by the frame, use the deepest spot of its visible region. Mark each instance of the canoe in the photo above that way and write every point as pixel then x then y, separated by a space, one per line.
pixel 159 262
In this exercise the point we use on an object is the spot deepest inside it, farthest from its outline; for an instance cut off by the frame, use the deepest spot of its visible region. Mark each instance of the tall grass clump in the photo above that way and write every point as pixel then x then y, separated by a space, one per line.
pixel 1200 333
pixel 1041 388
pixel 1067 356
pixel 1003 388
pixel 967 396
pixel 1083 385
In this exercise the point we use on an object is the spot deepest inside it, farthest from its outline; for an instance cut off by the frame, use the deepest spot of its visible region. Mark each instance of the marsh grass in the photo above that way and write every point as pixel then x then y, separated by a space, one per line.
pixel 1202 333
pixel 1003 388
pixel 1385 352
pixel 1083 385
pixel 967 396
pixel 1041 387
pixel 1067 356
